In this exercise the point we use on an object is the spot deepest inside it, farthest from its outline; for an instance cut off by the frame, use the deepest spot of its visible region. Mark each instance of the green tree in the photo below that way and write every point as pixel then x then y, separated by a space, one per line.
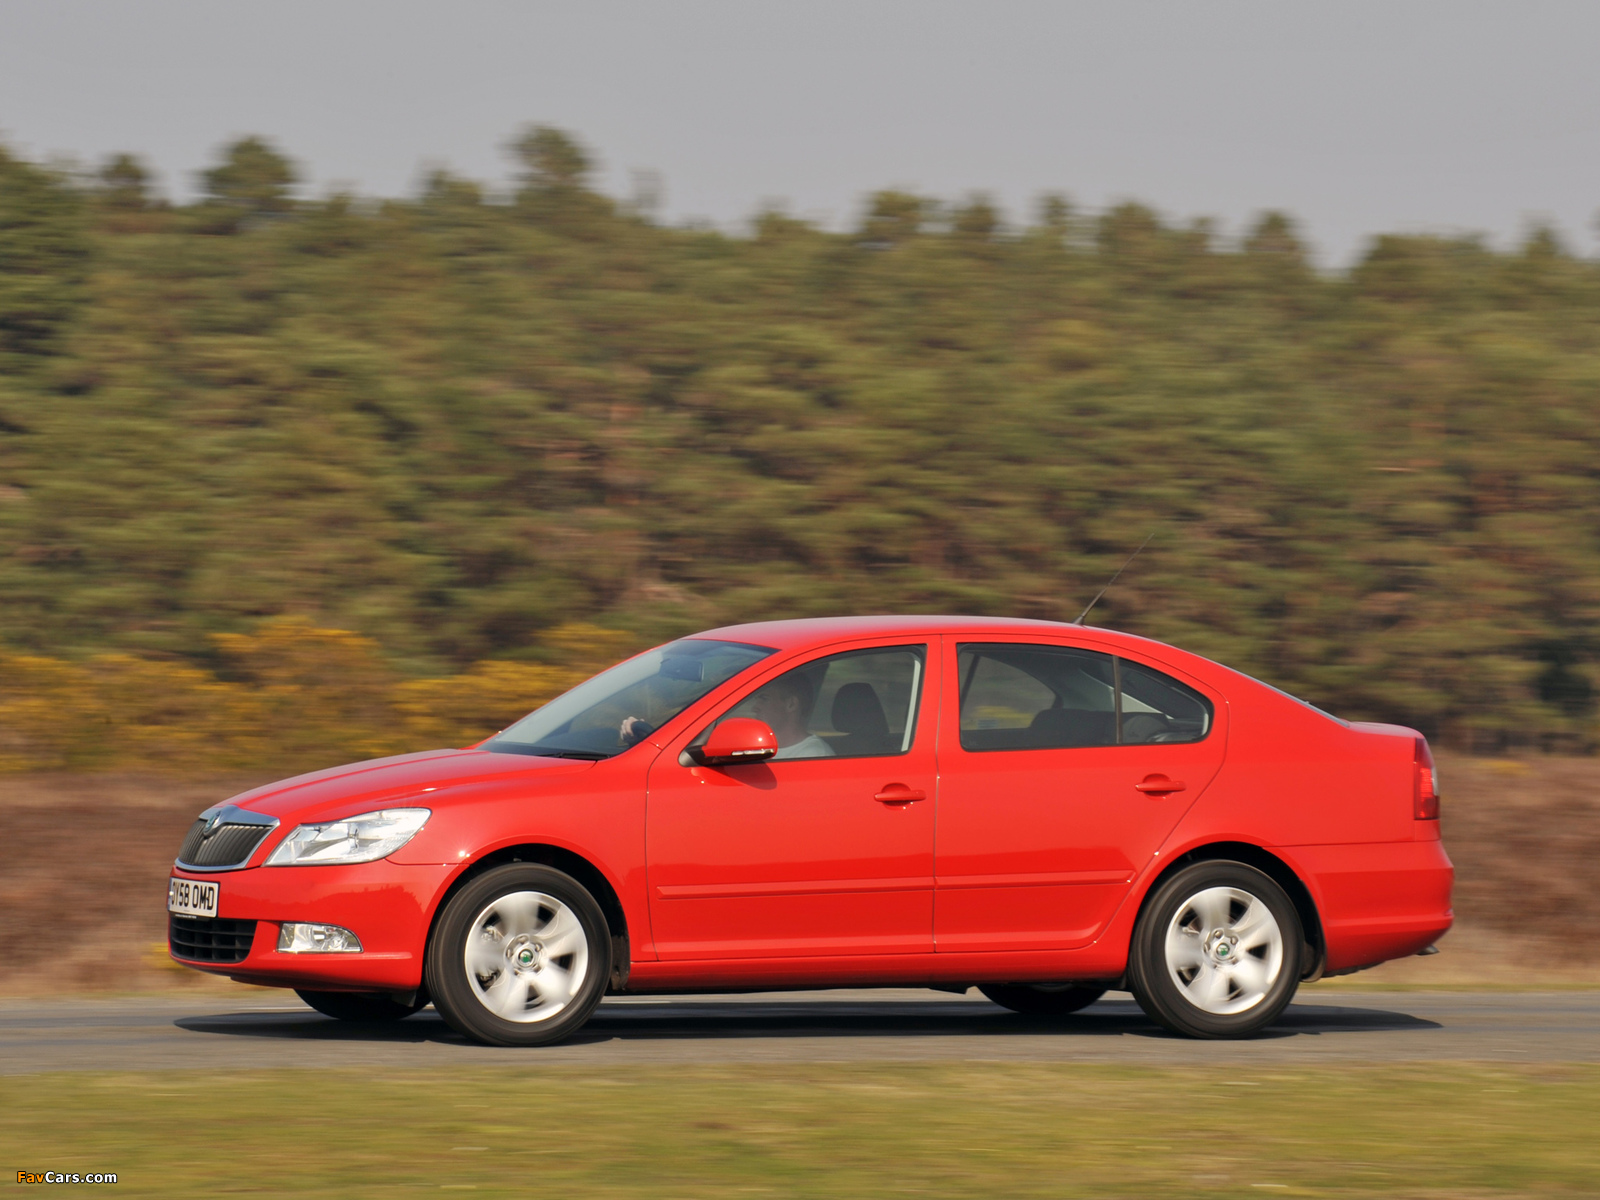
pixel 252 181
pixel 1274 233
pixel 44 255
pixel 124 183
pixel 551 160
pixel 977 219
pixel 893 217
pixel 554 173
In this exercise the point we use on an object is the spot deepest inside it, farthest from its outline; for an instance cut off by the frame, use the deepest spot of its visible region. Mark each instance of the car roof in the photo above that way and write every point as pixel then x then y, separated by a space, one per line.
pixel 817 631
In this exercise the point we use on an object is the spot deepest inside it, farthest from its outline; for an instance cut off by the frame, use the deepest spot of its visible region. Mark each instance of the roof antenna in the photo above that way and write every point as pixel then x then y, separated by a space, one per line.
pixel 1113 579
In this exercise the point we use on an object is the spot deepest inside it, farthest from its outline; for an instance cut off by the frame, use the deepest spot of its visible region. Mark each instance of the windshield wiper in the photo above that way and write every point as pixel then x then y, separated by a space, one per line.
pixel 551 752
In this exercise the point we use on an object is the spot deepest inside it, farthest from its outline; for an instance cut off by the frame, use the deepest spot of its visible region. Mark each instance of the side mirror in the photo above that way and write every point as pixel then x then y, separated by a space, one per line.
pixel 737 740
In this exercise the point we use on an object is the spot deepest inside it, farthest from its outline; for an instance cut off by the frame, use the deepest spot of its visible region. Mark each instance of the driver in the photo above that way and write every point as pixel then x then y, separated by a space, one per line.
pixel 785 705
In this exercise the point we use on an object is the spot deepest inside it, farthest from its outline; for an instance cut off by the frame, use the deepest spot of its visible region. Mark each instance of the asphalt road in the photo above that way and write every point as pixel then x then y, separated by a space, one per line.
pixel 863 1025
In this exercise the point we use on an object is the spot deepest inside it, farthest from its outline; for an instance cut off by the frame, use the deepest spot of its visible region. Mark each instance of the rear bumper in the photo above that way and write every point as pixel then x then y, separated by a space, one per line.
pixel 386 905
pixel 1377 901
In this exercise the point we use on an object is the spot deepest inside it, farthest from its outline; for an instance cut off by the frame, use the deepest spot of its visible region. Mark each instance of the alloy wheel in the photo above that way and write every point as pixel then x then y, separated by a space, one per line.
pixel 1224 950
pixel 526 956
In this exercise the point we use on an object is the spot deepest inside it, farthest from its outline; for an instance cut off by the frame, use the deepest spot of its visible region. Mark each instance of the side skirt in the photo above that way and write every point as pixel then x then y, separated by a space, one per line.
pixel 1089 964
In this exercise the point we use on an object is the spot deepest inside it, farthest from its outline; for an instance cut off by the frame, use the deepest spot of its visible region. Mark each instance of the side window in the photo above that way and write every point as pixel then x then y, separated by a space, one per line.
pixel 1157 708
pixel 1016 697
pixel 861 703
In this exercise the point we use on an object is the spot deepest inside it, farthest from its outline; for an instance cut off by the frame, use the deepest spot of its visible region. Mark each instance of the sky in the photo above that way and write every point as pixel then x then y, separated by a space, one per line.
pixel 1355 117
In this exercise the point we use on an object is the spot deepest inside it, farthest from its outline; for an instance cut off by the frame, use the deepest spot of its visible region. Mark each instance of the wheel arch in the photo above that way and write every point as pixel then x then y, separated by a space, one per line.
pixel 572 863
pixel 1274 868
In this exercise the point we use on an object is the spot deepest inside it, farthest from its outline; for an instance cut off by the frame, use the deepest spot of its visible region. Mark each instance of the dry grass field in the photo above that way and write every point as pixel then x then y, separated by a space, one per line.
pixel 84 859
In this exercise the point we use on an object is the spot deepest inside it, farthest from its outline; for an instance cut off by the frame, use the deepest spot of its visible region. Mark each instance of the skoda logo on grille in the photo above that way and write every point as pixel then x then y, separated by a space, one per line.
pixel 224 839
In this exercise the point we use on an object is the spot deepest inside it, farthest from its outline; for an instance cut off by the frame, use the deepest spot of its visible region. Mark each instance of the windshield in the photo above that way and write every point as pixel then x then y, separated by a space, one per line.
pixel 621 707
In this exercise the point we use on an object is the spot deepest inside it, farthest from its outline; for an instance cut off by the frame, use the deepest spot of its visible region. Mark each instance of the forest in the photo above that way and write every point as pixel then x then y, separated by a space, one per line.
pixel 397 469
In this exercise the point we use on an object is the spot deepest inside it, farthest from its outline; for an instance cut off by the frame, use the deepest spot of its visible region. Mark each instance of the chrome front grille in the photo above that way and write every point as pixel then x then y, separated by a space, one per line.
pixel 224 838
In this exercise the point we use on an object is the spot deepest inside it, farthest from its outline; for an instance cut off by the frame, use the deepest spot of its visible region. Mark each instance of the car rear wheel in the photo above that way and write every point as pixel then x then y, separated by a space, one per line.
pixel 1042 999
pixel 1216 953
pixel 360 1006
pixel 520 957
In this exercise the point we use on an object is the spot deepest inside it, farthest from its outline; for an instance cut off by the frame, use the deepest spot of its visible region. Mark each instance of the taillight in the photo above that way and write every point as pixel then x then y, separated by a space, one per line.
pixel 1425 805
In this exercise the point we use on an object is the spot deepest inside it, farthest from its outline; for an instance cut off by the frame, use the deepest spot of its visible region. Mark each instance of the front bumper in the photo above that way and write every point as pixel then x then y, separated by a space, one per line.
pixel 385 904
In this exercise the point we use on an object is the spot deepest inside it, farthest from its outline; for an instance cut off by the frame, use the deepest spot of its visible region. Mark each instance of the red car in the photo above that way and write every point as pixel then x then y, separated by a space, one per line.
pixel 1044 811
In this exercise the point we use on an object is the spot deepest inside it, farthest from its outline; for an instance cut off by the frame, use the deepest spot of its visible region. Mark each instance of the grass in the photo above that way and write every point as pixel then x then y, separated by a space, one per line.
pixel 1354 983
pixel 965 1129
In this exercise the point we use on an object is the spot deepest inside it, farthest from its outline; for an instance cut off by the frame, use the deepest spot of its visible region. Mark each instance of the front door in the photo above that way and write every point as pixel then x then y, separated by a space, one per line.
pixel 827 849
pixel 1066 770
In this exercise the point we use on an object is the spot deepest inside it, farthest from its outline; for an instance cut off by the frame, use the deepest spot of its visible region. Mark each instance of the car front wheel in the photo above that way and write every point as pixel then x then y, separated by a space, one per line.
pixel 1216 953
pixel 520 957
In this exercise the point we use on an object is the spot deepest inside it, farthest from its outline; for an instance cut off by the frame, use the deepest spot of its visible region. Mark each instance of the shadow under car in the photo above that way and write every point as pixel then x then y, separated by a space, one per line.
pixel 693 1018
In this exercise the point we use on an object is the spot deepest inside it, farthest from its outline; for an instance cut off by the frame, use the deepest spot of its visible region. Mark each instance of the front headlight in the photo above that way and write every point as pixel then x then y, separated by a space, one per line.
pixel 357 839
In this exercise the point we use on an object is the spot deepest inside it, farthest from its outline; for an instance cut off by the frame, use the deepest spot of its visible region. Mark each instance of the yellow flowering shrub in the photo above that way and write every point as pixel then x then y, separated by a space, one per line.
pixel 162 715
pixel 294 697
pixel 466 708
pixel 463 709
pixel 319 692
pixel 51 714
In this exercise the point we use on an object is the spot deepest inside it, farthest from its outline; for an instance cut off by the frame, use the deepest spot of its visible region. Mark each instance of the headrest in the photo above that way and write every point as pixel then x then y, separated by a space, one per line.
pixel 856 710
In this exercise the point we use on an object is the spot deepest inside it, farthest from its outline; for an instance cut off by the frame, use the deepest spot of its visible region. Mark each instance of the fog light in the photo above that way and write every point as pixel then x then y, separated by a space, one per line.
pixel 298 938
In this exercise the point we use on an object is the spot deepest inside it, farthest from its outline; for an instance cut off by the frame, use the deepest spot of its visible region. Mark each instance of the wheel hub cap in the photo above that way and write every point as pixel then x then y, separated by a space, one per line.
pixel 1223 947
pixel 526 956
pixel 1224 950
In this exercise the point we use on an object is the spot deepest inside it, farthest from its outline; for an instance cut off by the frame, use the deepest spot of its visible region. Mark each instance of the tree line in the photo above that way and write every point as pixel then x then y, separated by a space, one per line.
pixel 454 422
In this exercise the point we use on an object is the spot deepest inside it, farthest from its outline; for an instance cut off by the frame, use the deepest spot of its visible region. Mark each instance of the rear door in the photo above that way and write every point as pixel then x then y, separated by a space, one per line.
pixel 1062 773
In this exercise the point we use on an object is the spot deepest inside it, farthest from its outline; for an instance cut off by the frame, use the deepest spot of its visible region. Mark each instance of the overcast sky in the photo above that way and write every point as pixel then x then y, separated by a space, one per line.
pixel 1356 117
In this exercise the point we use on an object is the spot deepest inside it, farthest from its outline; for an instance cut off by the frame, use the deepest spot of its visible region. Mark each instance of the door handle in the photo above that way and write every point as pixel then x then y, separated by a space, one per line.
pixel 899 793
pixel 1158 785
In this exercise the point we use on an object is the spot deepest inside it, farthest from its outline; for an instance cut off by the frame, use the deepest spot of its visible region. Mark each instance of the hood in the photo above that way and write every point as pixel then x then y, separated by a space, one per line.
pixel 426 779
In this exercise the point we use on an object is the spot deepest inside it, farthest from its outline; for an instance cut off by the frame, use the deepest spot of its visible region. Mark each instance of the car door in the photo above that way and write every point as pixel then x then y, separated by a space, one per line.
pixel 827 853
pixel 1063 769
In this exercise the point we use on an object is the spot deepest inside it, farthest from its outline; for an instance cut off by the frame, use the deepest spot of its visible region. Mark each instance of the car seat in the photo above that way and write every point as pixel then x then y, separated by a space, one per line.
pixel 858 714
pixel 1062 727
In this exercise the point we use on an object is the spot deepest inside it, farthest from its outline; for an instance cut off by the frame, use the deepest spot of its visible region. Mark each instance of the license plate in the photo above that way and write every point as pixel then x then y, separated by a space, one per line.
pixel 192 897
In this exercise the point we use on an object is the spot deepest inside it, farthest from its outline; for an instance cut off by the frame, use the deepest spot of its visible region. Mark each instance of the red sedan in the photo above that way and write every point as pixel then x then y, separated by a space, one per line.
pixel 1044 811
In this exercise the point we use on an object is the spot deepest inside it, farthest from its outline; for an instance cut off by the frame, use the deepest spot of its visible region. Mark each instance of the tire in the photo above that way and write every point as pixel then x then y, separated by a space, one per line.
pixel 360 1006
pixel 1216 952
pixel 1042 999
pixel 520 956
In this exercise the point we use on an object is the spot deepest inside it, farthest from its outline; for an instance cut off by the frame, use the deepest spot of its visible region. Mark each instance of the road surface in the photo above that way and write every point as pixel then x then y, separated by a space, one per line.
pixel 271 1030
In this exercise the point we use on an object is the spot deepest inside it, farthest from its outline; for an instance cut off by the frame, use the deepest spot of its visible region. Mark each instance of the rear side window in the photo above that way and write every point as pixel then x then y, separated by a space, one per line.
pixel 1035 697
pixel 1023 697
pixel 1157 708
